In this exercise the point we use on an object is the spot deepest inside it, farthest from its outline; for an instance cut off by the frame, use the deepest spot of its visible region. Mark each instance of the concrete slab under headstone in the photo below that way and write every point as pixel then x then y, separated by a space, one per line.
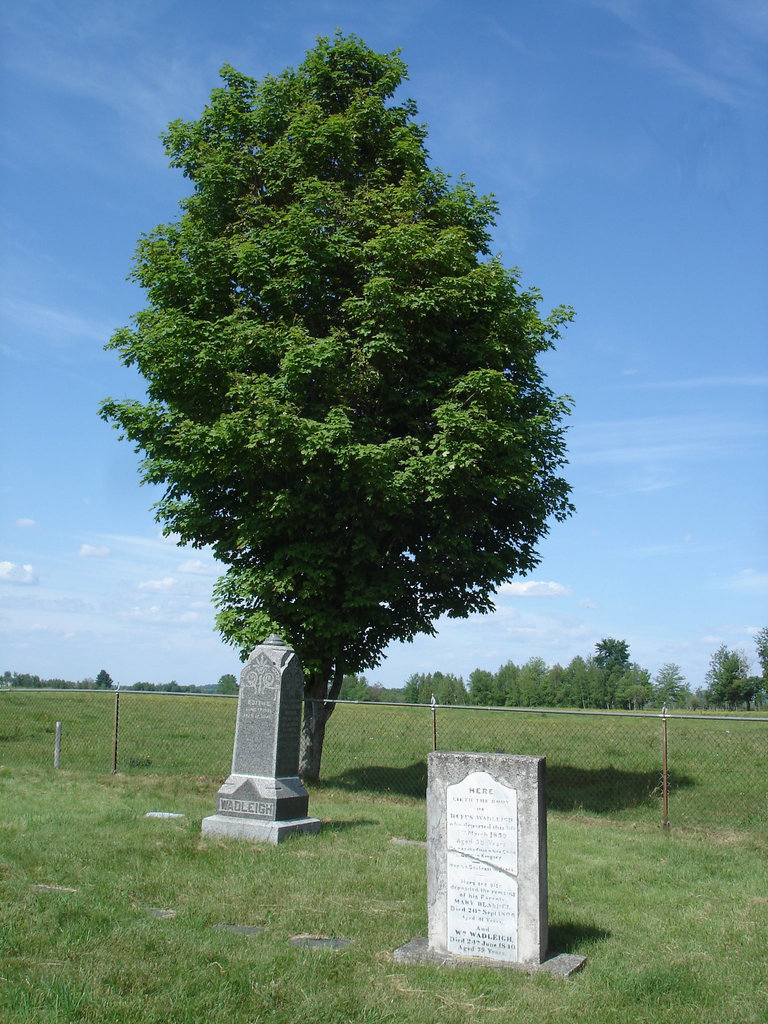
pixel 264 800
pixel 486 864
pixel 417 951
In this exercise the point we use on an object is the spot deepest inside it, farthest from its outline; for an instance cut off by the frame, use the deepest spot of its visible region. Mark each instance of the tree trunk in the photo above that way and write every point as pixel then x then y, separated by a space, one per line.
pixel 316 714
pixel 319 704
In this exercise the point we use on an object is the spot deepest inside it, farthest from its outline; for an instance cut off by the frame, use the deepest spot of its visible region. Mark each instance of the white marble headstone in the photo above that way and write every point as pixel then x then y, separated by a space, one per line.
pixel 487 857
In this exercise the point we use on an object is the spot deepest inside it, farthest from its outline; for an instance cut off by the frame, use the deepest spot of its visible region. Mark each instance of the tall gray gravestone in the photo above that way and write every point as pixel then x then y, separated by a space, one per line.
pixel 487 864
pixel 264 799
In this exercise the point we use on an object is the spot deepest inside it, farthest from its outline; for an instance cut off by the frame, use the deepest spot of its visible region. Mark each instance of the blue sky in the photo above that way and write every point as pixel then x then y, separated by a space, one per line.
pixel 626 142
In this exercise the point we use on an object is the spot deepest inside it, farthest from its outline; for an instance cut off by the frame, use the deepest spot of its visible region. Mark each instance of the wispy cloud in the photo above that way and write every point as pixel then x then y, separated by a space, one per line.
pixel 25 524
pixel 686 74
pixel 659 439
pixel 534 588
pixel 724 56
pixel 93 551
pixel 154 87
pixel 748 581
pixel 691 383
pixel 55 325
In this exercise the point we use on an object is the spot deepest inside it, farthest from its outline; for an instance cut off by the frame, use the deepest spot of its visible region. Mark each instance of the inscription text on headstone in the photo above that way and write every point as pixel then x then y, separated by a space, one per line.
pixel 481 868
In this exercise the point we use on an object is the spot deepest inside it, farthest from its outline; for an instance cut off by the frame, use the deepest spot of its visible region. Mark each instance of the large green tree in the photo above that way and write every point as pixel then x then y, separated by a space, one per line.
pixel 103 680
pixel 343 394
pixel 728 679
pixel 669 686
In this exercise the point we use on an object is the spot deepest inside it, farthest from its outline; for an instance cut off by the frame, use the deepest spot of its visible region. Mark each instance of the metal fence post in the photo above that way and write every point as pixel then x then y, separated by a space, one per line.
pixel 434 723
pixel 117 720
pixel 664 777
pixel 57 746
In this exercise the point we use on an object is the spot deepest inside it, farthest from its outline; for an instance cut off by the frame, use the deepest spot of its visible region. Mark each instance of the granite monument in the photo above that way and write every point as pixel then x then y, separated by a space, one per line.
pixel 264 799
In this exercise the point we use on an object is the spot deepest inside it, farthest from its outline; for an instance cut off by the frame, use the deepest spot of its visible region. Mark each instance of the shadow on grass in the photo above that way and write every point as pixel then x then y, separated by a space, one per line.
pixel 571 937
pixel 334 825
pixel 602 790
pixel 593 790
pixel 409 781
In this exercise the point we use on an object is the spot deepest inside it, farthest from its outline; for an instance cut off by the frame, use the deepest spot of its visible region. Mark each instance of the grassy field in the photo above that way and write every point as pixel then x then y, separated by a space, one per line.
pixel 109 917
pixel 596 764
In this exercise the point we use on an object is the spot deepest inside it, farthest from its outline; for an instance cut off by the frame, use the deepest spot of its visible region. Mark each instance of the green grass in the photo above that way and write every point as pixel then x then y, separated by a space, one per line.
pixel 596 764
pixel 674 925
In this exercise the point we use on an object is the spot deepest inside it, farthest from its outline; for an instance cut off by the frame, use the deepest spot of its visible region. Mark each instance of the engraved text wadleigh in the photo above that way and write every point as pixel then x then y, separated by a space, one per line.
pixel 247 808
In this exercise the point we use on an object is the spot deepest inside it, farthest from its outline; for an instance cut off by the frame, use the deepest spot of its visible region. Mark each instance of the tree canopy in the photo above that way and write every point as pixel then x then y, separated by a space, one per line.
pixel 728 677
pixel 343 397
pixel 104 680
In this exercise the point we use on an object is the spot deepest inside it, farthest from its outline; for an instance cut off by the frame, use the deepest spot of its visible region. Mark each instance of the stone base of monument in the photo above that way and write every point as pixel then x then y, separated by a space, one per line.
pixel 261 809
pixel 417 951
pixel 228 825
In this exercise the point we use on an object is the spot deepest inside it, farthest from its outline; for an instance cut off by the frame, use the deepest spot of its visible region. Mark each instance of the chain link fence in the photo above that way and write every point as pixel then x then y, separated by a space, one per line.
pixel 692 770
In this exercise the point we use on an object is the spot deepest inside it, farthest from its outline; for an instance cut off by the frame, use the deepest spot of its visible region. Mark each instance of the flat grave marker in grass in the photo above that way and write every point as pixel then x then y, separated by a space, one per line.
pixel 161 913
pixel 239 929
pixel 318 942
pixel 264 800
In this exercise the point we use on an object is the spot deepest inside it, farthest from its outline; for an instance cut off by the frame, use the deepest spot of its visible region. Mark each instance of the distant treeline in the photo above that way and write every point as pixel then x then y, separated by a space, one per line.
pixel 103 681
pixel 27 681
pixel 606 679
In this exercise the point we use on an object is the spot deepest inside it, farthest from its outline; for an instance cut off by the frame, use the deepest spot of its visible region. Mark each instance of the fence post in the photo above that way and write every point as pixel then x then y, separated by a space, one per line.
pixel 664 777
pixel 57 746
pixel 434 723
pixel 117 720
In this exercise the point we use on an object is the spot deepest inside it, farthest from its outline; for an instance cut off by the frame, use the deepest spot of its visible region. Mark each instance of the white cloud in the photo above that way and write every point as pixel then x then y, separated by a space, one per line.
pixel 164 584
pixel 196 567
pixel 534 588
pixel 91 551
pixel 25 524
pixel 11 572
